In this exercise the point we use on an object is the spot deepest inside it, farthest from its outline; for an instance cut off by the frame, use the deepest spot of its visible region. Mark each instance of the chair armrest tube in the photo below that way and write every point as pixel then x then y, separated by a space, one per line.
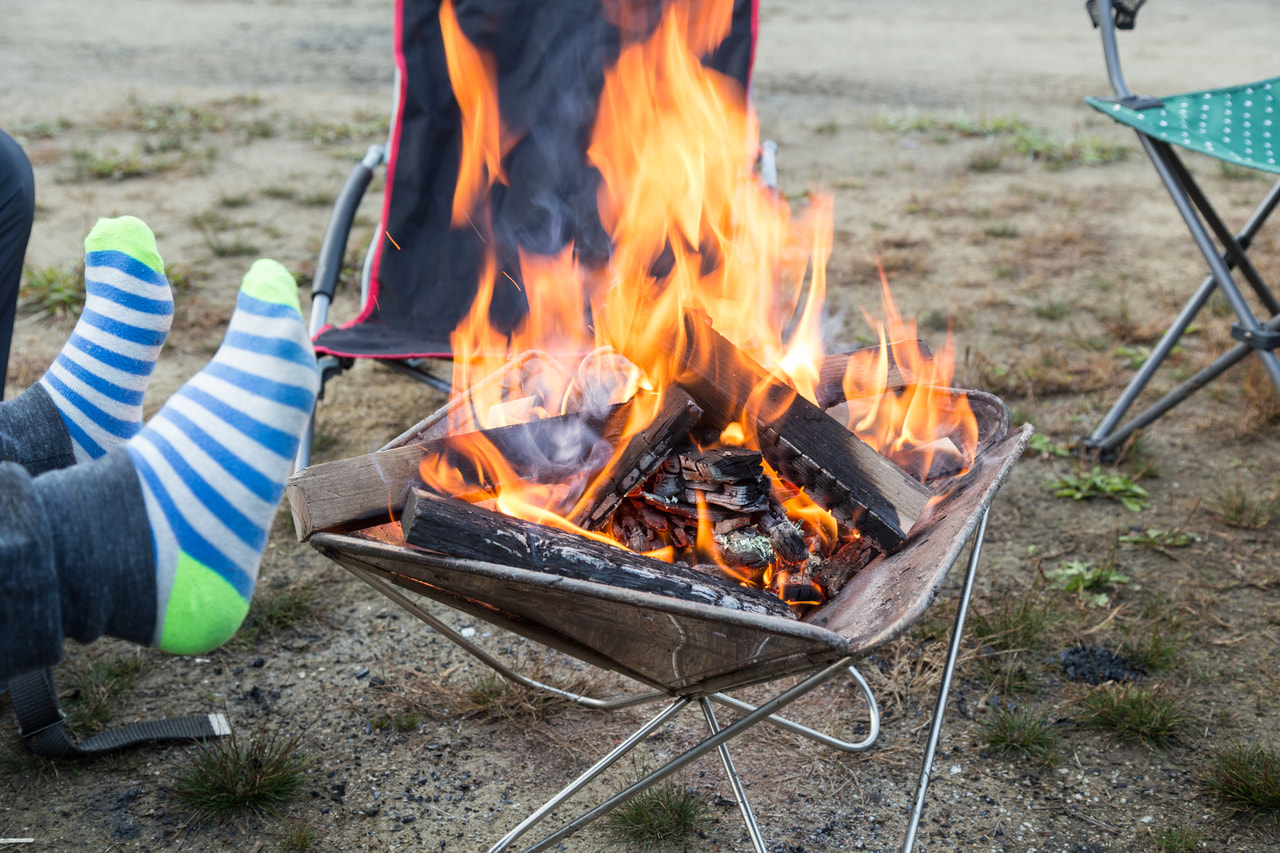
pixel 334 247
pixel 1110 52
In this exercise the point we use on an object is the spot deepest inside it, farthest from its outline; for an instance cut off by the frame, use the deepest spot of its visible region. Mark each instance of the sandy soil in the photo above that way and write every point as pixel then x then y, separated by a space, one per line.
pixel 242 119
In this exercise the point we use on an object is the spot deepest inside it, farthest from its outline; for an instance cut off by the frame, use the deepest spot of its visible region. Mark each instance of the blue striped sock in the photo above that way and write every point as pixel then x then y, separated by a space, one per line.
pixel 213 462
pixel 98 380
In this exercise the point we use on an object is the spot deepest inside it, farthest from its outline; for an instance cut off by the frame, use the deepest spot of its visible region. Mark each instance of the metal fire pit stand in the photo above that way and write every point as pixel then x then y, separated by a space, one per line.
pixel 694 652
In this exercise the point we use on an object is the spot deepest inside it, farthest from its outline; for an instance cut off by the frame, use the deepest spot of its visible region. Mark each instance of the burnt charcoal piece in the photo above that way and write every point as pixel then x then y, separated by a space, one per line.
pixel 1095 665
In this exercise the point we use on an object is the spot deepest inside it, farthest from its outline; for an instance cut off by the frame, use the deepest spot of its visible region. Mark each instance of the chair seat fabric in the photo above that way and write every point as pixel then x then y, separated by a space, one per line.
pixel 1239 124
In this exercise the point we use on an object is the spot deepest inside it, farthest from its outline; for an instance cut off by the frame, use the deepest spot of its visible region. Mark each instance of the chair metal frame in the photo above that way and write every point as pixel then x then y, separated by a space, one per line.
pixel 1230 252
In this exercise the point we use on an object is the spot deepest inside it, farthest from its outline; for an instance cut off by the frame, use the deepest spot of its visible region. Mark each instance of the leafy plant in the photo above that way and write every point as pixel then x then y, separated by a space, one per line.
pixel 1159 538
pixel 1097 483
pixel 1019 733
pixel 1089 582
pixel 1041 443
pixel 658 815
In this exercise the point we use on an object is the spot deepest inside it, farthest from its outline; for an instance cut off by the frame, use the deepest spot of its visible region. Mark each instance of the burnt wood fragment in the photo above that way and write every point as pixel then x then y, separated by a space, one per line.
pixel 461 530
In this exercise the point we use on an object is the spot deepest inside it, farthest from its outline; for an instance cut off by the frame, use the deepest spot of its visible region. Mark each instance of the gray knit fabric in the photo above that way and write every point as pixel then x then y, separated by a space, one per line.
pixel 32 433
pixel 30 606
pixel 76 560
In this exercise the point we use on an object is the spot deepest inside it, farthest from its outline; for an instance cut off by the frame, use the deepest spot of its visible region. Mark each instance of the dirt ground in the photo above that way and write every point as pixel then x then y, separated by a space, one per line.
pixel 955 141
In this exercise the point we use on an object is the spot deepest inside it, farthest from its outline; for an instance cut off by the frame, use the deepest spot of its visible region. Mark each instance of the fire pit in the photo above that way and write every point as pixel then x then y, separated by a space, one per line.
pixel 683 633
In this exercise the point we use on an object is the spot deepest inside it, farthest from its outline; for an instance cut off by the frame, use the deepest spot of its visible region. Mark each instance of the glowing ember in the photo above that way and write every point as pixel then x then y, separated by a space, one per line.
pixel 693 233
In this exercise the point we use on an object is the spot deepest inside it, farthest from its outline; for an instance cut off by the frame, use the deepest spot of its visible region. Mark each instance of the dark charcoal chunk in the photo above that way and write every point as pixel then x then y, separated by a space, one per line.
pixel 1095 665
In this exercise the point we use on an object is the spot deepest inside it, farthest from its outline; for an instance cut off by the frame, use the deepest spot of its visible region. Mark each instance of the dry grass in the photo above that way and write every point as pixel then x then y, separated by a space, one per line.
pixel 487 695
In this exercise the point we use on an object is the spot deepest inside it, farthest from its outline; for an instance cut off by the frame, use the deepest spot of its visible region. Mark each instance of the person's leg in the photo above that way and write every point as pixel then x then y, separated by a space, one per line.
pixel 17 210
pixel 159 541
pixel 90 399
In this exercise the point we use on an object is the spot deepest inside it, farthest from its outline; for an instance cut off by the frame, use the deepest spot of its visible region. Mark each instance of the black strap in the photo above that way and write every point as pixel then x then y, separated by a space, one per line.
pixel 35 703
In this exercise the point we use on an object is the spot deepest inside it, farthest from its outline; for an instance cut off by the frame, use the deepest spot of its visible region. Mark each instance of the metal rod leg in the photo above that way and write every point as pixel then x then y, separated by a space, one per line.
pixel 493 663
pixel 739 794
pixel 723 736
pixel 873 713
pixel 596 769
pixel 943 689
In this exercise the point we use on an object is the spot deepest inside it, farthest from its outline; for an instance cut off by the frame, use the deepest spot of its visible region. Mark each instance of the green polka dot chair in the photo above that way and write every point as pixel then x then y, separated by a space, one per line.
pixel 1238 125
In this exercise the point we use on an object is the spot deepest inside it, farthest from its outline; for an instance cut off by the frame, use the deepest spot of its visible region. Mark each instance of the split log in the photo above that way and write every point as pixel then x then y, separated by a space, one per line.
pixel 457 529
pixel 632 465
pixel 803 444
pixel 863 364
pixel 351 493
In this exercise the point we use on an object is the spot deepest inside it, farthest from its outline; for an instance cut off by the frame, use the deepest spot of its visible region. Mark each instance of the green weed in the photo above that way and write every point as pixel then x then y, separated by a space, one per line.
pixel 1014 622
pixel 1158 539
pixel 1042 444
pixel 111 165
pixel 1061 152
pixel 1090 583
pixel 1097 483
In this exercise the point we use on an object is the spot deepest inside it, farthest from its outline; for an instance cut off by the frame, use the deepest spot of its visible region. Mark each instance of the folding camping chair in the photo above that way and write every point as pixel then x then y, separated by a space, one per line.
pixel 420 274
pixel 1237 125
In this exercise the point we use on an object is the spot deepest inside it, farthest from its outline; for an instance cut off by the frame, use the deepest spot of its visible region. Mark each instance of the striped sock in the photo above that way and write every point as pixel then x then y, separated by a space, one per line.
pixel 213 461
pixel 98 380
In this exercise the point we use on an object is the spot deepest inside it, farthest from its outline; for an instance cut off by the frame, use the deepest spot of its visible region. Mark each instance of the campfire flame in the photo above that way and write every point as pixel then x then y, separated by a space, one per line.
pixel 694 234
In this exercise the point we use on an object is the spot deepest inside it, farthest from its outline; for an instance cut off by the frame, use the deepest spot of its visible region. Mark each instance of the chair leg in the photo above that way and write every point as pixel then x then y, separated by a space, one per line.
pixel 944 689
pixel 1188 199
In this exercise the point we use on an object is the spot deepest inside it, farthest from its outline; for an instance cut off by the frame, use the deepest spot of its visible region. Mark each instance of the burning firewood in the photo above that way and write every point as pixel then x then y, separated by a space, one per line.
pixel 351 493
pixel 799 440
pixel 466 531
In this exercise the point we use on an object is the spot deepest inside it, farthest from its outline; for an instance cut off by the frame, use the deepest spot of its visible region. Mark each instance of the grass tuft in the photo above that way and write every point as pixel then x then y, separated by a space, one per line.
pixel 659 815
pixel 1177 839
pixel 1247 777
pixel 276 610
pixel 1242 507
pixel 93 689
pixel 1019 733
pixel 52 291
pixel 1148 714
pixel 230 777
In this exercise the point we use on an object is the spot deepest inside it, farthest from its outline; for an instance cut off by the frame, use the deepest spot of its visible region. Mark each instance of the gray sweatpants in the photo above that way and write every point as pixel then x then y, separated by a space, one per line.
pixel 76 555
